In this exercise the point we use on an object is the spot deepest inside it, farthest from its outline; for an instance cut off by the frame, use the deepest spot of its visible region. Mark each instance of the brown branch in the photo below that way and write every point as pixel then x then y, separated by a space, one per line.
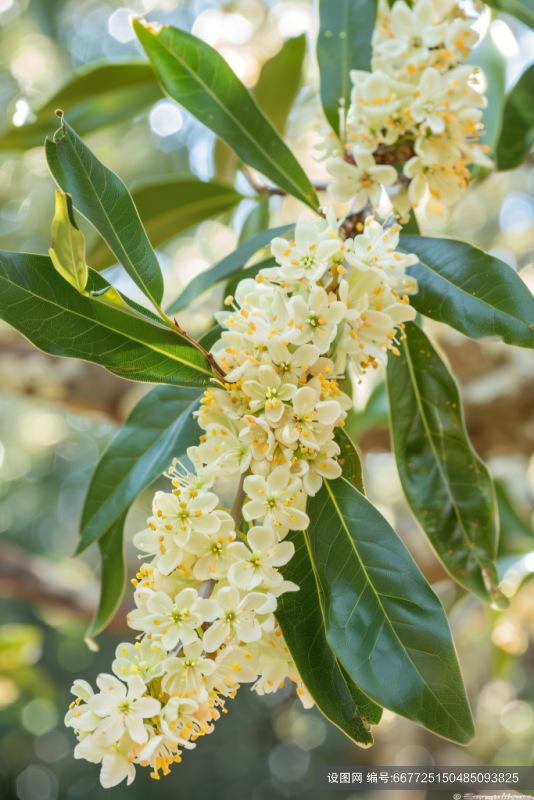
pixel 215 367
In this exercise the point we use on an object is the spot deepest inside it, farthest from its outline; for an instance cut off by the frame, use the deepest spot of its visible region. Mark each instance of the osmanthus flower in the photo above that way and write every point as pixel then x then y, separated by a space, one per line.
pixel 445 184
pixel 237 617
pixel 142 658
pixel 258 566
pixel 233 666
pixel 161 751
pixel 290 365
pixel 160 543
pixel 211 552
pixel 259 435
pixel 317 319
pixel 115 759
pixel 123 709
pixel 223 450
pixel 186 510
pixel 376 100
pixel 175 620
pixel 310 420
pixel 269 392
pixel 411 34
pixel 178 718
pixel 185 674
pixel 375 249
pixel 360 183
pixel 305 256
pixel 274 500
pixel 322 464
pixel 80 716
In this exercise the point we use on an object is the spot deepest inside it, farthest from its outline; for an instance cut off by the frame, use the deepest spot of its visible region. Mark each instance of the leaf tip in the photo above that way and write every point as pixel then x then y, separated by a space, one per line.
pixel 91 644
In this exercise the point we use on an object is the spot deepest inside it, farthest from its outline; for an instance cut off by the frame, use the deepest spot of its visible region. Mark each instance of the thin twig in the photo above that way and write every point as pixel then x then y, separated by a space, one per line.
pixel 215 367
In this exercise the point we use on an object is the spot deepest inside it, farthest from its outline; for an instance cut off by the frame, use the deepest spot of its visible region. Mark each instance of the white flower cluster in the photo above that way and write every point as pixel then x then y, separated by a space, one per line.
pixel 419 107
pixel 207 593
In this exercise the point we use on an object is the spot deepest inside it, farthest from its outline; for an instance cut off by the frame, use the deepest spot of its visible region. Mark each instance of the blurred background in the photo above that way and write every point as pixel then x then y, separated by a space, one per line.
pixel 57 416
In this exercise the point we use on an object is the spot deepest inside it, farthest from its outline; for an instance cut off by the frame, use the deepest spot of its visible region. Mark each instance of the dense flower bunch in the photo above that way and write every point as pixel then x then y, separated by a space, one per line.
pixel 206 594
pixel 418 108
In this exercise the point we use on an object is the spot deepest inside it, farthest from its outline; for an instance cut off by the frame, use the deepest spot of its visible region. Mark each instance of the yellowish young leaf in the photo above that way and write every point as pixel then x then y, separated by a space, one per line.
pixel 68 249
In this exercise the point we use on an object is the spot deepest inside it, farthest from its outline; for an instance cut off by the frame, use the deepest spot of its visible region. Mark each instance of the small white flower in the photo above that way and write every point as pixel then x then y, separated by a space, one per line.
pixel 258 566
pixel 116 765
pixel 259 435
pixel 310 421
pixel 233 666
pixel 237 617
pixel 361 183
pixel 305 256
pixel 292 365
pixel 176 620
pixel 144 659
pixel 122 710
pixel 79 715
pixel 268 392
pixel 185 511
pixel 317 319
pixel 211 552
pixel 185 675
pixel 178 717
pixel 274 500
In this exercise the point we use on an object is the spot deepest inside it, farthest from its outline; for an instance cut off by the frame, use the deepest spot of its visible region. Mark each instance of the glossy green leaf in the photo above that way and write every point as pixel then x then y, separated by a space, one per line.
pixel 226 267
pixel 344 43
pixel 40 304
pixel 280 80
pixel 517 535
pixel 95 97
pixel 100 289
pixel 471 291
pixel 159 428
pixel 521 9
pixel 517 131
pixel 168 207
pixel 349 459
pixel 448 488
pixel 384 622
pixel 301 616
pixel 68 248
pixel 197 76
pixel 374 415
pixel 104 200
pixel 112 578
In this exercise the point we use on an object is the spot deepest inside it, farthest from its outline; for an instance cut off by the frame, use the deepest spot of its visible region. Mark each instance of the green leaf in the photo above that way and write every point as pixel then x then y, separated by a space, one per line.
pixel 112 578
pixel 384 622
pixel 68 250
pixel 301 616
pixel 349 459
pixel 344 43
pixel 471 291
pixel 97 96
pixel 517 132
pixel 104 200
pixel 517 535
pixel 523 11
pixel 168 207
pixel 374 415
pixel 280 80
pixel 257 220
pixel 226 267
pixel 197 77
pixel 39 303
pixel 159 428
pixel 448 488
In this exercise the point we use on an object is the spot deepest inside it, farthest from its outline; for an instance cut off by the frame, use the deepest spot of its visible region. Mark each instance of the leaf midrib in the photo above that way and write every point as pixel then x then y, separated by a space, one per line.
pixel 415 385
pixel 107 327
pixel 378 598
pixel 471 297
pixel 127 257
pixel 254 142
pixel 336 657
